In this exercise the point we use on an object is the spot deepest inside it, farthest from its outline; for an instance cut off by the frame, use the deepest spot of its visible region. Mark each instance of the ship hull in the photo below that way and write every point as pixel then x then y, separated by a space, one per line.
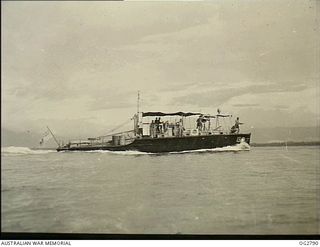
pixel 171 144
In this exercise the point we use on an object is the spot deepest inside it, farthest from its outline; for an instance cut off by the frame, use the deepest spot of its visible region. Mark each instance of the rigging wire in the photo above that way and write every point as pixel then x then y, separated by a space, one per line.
pixel 117 127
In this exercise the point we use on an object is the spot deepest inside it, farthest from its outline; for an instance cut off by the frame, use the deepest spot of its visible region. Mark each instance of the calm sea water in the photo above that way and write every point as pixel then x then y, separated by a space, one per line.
pixel 267 190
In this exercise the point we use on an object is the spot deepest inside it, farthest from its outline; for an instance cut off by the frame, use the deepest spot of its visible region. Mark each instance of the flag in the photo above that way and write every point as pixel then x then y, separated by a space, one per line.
pixel 45 137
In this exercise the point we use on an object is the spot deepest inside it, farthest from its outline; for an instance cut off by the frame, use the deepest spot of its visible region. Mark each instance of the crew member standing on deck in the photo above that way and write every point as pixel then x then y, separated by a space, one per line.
pixel 199 122
pixel 156 123
pixel 152 128
pixel 160 125
pixel 237 125
pixel 203 122
pixel 165 126
pixel 180 127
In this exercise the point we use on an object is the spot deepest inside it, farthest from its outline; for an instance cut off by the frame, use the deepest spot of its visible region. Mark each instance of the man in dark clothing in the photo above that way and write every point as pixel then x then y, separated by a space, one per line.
pixel 203 122
pixel 159 125
pixel 199 123
pixel 237 125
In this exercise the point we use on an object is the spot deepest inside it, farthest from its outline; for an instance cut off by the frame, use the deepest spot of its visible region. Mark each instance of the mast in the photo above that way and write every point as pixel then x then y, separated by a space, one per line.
pixel 217 118
pixel 136 118
pixel 53 136
pixel 138 103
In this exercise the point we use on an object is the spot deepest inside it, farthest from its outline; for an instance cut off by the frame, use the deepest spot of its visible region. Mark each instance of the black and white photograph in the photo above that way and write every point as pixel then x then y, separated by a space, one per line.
pixel 175 118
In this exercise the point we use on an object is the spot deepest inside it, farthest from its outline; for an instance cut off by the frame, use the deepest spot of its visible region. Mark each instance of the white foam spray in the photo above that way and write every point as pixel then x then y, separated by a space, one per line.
pixel 243 146
pixel 12 150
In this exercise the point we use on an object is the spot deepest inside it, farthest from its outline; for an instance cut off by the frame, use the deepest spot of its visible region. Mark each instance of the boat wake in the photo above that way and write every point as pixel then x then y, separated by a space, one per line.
pixel 128 152
pixel 15 151
pixel 243 146
pixel 12 150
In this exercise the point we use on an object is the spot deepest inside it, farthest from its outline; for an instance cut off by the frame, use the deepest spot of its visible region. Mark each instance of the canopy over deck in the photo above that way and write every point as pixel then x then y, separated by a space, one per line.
pixel 161 114
pixel 182 114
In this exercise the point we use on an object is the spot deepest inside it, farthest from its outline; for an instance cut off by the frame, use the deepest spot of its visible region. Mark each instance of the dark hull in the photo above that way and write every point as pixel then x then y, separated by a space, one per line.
pixel 171 144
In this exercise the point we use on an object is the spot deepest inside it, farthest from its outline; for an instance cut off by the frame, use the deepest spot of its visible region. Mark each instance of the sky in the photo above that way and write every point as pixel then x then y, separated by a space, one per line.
pixel 77 66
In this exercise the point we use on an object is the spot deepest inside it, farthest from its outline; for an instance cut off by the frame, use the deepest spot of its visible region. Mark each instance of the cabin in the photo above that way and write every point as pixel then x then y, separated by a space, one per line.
pixel 179 124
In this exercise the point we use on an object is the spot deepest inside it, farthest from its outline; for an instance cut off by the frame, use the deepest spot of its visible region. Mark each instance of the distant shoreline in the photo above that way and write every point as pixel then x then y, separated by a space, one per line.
pixel 283 144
